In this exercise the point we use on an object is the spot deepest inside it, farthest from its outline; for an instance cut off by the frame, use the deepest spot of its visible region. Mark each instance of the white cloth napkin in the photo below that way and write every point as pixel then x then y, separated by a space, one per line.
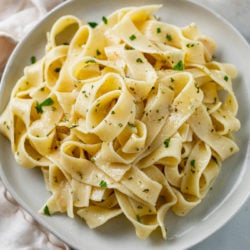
pixel 18 230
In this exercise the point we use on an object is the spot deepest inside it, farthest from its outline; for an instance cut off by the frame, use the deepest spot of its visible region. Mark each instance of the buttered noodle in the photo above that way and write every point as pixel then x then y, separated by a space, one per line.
pixel 131 116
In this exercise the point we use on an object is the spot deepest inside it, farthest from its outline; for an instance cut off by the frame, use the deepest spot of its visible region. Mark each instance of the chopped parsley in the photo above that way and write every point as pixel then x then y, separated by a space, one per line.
pixel 46 210
pixel 197 88
pixel 192 166
pixel 169 37
pixel 92 24
pixel 139 60
pixel 190 45
pixel 47 102
pixel 192 163
pixel 33 59
pixel 103 184
pixel 105 20
pixel 127 47
pixel 226 78
pixel 158 30
pixel 167 142
pixel 132 37
pixel 98 52
pixel 179 66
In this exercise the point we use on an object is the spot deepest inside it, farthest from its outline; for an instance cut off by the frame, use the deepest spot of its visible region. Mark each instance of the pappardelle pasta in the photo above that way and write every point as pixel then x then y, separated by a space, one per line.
pixel 130 116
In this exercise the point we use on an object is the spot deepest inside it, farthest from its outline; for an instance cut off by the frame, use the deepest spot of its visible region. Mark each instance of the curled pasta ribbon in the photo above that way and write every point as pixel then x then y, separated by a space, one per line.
pixel 61 198
pixel 111 110
pixel 63 31
pixel 74 161
pixel 143 226
pixel 167 156
pixel 184 203
pixel 26 155
pixel 139 73
pixel 133 137
pixel 126 28
pixel 202 126
pixel 187 99
pixel 53 64
pixel 192 179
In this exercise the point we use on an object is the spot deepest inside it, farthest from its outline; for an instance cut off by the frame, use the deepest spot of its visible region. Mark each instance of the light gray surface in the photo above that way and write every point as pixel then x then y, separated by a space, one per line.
pixel 236 233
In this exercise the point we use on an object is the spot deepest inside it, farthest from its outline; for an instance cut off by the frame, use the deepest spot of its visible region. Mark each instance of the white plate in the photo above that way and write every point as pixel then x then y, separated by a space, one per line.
pixel 232 186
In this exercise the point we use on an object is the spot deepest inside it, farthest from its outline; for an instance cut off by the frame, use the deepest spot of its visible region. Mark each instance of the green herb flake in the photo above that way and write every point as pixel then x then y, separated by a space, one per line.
pixel 169 37
pixel 179 66
pixel 127 47
pixel 98 52
pixel 132 37
pixel 33 59
pixel 197 88
pixel 139 60
pixel 105 20
pixel 226 78
pixel 103 184
pixel 192 163
pixel 46 210
pixel 190 45
pixel 47 102
pixel 92 24
pixel 158 30
pixel 146 190
pixel 167 142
